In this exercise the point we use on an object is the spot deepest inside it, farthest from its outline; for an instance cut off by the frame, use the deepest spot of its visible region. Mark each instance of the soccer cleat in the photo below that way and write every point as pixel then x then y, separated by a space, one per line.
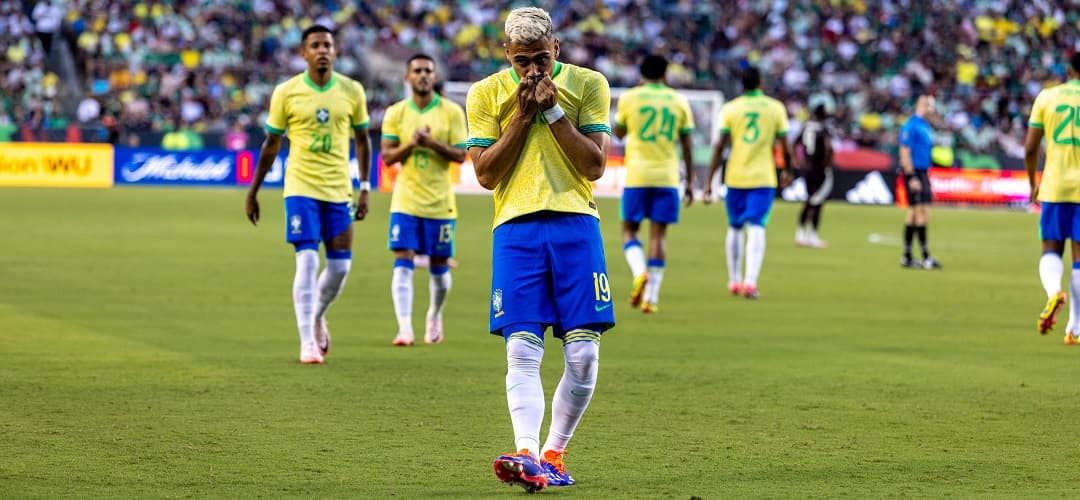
pixel 750 291
pixel 1070 339
pixel 909 263
pixel 433 332
pixel 800 238
pixel 735 288
pixel 1049 313
pixel 322 336
pixel 555 468
pixel 638 290
pixel 521 469
pixel 310 354
pixel 404 339
pixel 649 308
pixel 931 263
pixel 813 241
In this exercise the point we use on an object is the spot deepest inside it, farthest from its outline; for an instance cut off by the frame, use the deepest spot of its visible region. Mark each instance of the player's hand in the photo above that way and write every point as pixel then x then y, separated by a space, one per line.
pixel 786 177
pixel 361 206
pixel 1035 194
pixel 547 94
pixel 688 195
pixel 526 105
pixel 706 196
pixel 251 206
pixel 915 184
pixel 422 137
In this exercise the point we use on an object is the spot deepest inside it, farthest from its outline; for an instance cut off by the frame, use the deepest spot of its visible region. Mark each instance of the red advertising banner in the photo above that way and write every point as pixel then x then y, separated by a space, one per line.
pixel 980 187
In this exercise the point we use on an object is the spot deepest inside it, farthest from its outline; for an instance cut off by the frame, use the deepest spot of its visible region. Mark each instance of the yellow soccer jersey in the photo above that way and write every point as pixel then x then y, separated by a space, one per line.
pixel 655 116
pixel 1057 111
pixel 543 177
pixel 319 123
pixel 754 121
pixel 423 187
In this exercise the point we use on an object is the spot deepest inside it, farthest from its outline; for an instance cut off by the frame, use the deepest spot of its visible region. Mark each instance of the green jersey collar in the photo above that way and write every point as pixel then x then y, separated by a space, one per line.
pixel 431 105
pixel 330 83
pixel 517 79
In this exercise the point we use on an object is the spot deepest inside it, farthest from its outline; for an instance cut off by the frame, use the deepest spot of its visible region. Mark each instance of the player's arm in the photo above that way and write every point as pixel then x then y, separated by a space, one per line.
pixel 788 172
pixel 714 165
pixel 587 151
pixel 686 141
pixel 620 119
pixel 444 150
pixel 393 151
pixel 363 159
pixel 1032 144
pixel 493 163
pixel 267 154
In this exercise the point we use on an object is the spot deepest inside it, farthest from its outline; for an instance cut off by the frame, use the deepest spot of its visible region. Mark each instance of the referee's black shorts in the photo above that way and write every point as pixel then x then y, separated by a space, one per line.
pixel 924 196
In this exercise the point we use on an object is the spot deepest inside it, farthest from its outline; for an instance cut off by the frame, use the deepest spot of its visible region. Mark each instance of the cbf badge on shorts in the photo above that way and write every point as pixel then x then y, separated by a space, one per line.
pixel 294 224
pixel 496 302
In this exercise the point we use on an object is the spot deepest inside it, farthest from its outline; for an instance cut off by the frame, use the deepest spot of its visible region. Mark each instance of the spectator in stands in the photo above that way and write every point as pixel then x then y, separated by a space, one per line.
pixel 181 138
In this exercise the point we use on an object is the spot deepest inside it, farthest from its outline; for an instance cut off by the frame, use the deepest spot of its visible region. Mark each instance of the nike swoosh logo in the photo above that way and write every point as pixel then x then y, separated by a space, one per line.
pixel 601 308
pixel 513 386
pixel 576 394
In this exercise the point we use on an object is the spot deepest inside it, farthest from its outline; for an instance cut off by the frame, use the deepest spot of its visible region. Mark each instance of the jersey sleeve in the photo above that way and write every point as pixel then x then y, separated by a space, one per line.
pixel 391 124
pixel 781 120
pixel 687 125
pixel 458 133
pixel 1037 111
pixel 360 118
pixel 277 119
pixel 620 110
pixel 906 138
pixel 482 114
pixel 595 107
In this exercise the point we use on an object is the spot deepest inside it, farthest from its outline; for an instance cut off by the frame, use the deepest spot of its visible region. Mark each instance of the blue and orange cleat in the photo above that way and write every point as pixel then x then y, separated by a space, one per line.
pixel 521 469
pixel 1048 316
pixel 638 289
pixel 555 468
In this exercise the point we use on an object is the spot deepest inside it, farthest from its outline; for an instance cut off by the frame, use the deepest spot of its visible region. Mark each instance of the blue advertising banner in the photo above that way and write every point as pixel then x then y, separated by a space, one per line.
pixel 207 167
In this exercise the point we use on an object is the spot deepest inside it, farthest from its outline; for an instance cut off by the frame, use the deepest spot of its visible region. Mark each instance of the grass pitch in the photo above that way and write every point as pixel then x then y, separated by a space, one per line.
pixel 148 349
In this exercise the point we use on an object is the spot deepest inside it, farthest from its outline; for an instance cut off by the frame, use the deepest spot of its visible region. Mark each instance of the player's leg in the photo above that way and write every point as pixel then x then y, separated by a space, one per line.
pixel 521 307
pixel 585 311
pixel 817 202
pixel 802 232
pixel 302 231
pixel 759 207
pixel 439 244
pixel 1055 222
pixel 663 210
pixel 337 231
pixel 404 241
pixel 922 216
pixel 632 206
pixel 913 201
pixel 735 203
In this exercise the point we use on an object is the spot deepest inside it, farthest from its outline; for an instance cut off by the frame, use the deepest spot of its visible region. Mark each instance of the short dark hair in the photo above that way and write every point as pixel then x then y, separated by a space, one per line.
pixel 820 112
pixel 1074 62
pixel 315 28
pixel 751 79
pixel 653 67
pixel 419 56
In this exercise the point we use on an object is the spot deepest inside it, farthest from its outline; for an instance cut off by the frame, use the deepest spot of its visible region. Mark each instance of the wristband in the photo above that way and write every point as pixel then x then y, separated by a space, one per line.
pixel 365 185
pixel 554 114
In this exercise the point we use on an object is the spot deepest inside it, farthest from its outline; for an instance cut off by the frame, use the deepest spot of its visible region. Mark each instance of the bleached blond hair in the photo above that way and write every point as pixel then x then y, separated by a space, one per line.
pixel 526 25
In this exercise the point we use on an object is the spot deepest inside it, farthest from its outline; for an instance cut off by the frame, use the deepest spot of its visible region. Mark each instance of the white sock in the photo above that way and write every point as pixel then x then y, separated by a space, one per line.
pixel 439 286
pixel 525 392
pixel 755 252
pixel 652 287
pixel 574 392
pixel 1050 271
pixel 331 281
pixel 635 257
pixel 401 289
pixel 1074 298
pixel 801 232
pixel 734 254
pixel 307 265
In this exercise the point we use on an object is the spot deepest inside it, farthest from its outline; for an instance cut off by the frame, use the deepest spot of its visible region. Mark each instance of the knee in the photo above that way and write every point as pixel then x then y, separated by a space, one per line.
pixel 582 359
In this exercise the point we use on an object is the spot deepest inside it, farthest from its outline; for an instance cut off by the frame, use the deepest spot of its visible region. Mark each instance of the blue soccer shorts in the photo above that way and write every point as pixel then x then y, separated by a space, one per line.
pixel 658 204
pixel 548 269
pixel 749 206
pixel 433 237
pixel 308 220
pixel 1059 221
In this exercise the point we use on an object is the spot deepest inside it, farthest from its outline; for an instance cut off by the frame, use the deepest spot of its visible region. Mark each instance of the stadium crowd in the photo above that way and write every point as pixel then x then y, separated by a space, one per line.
pixel 210 65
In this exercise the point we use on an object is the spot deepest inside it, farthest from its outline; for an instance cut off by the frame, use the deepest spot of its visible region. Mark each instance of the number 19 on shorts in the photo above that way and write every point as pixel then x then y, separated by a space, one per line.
pixel 601 287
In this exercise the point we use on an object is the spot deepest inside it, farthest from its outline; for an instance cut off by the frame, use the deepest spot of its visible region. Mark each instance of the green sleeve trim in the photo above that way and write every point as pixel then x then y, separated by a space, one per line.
pixel 725 130
pixel 620 125
pixel 480 143
pixel 360 126
pixel 781 133
pixel 594 128
pixel 391 137
pixel 1035 125
pixel 273 130
pixel 461 145
pixel 686 130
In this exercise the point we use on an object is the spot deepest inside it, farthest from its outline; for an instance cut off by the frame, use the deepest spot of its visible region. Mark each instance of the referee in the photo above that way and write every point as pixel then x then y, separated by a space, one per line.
pixel 915 145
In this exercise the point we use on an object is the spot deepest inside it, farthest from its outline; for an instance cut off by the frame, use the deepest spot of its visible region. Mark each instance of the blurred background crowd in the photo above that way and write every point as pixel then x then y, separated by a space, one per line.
pixel 193 72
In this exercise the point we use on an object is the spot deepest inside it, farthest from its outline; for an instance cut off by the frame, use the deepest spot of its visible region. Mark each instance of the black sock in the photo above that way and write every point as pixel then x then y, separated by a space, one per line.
pixel 909 232
pixel 921 233
pixel 815 217
pixel 803 216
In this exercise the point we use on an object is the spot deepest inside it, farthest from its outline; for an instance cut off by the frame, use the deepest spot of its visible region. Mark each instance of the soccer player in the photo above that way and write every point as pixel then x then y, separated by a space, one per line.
pixel 424 133
pixel 916 143
pixel 655 120
pixel 751 123
pixel 1057 109
pixel 538 136
pixel 318 108
pixel 816 142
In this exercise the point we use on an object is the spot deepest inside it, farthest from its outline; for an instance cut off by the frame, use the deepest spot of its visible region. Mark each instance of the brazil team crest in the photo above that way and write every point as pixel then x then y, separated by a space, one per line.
pixel 496 302
pixel 322 115
pixel 294 221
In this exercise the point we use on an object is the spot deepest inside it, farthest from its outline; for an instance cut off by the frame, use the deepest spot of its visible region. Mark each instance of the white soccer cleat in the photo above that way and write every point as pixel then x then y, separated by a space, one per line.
pixel 433 334
pixel 322 336
pixel 310 354
pixel 813 241
pixel 800 238
pixel 404 339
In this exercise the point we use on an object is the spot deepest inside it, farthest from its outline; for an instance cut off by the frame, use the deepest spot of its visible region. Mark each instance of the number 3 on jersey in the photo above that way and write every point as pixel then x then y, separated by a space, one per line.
pixel 752 129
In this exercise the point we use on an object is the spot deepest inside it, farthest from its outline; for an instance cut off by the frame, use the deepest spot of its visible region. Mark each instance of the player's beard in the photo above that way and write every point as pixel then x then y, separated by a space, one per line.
pixel 422 92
